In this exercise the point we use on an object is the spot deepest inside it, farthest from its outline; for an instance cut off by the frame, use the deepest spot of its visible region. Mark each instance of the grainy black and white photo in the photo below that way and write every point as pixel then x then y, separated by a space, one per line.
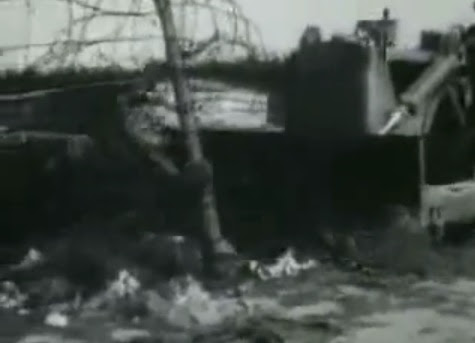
pixel 237 171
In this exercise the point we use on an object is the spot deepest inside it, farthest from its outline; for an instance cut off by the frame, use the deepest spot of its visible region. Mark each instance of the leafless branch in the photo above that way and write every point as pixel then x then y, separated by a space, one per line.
pixel 109 12
pixel 230 29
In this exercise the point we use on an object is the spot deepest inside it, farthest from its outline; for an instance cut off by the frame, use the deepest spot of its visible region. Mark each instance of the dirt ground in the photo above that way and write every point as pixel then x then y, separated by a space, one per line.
pixel 415 293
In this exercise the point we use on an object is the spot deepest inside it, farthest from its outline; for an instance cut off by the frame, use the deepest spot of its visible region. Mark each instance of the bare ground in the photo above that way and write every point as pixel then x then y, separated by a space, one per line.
pixel 414 293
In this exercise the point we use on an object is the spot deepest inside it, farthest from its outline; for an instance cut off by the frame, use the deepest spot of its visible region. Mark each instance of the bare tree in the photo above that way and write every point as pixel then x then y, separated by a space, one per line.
pixel 84 30
pixel 73 40
pixel 214 243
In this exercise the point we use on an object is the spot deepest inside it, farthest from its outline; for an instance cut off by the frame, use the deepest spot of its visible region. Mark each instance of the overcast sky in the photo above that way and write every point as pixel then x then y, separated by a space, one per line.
pixel 279 21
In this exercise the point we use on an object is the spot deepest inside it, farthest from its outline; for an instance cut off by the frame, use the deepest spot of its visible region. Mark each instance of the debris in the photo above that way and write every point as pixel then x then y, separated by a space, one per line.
pixel 56 319
pixel 125 285
pixel 286 265
pixel 193 305
pixel 124 298
pixel 10 296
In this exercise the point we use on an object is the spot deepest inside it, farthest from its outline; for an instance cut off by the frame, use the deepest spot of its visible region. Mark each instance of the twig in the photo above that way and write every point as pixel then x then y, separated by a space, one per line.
pixel 75 38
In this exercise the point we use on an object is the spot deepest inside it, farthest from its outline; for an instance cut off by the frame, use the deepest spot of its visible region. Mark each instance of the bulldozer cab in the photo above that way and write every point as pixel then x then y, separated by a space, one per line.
pixel 341 87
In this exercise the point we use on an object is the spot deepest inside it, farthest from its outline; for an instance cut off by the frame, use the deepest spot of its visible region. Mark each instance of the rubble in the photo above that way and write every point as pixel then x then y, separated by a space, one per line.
pixel 285 266
pixel 56 319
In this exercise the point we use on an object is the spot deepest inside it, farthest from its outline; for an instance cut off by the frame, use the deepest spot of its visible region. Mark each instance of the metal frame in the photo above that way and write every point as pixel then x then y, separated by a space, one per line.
pixel 428 113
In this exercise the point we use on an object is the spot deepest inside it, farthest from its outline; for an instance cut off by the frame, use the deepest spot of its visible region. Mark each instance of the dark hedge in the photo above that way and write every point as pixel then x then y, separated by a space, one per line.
pixel 256 74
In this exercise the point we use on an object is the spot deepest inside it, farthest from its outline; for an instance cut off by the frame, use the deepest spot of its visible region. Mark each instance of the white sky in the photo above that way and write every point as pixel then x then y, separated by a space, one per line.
pixel 280 21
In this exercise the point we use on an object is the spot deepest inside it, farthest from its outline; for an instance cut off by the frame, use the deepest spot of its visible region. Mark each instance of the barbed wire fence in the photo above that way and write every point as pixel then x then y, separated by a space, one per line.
pixel 132 27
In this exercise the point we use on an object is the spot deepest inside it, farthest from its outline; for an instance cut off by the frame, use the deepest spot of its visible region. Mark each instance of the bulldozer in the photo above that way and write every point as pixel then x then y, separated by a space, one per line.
pixel 359 125
pixel 397 123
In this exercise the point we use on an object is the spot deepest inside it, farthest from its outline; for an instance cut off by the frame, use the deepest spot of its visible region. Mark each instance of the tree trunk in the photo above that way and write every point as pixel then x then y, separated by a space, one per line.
pixel 213 242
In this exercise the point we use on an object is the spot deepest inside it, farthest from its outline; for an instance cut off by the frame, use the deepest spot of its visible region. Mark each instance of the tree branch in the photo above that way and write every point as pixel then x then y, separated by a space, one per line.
pixel 108 12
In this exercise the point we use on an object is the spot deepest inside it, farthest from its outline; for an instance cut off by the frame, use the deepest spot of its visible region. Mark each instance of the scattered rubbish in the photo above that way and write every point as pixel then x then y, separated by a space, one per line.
pixel 190 289
pixel 124 298
pixel 125 285
pixel 10 296
pixel 193 305
pixel 286 265
pixel 57 319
